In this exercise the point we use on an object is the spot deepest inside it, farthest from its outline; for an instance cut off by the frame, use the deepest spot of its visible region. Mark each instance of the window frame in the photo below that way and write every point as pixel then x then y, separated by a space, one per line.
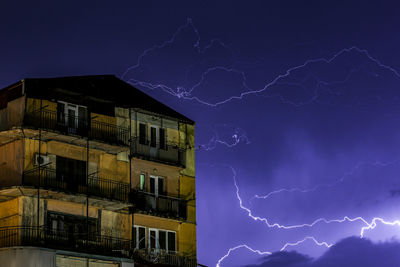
pixel 157 248
pixel 137 241
pixel 157 192
pixel 64 115
pixel 142 187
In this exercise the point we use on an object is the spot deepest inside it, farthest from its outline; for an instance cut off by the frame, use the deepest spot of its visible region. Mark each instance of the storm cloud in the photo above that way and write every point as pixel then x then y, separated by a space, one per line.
pixel 349 252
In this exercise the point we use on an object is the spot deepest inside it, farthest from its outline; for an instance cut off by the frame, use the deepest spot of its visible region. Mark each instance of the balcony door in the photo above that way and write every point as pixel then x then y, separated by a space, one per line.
pixel 156 185
pixel 71 173
pixel 156 189
pixel 67 226
pixel 154 136
pixel 157 137
pixel 72 117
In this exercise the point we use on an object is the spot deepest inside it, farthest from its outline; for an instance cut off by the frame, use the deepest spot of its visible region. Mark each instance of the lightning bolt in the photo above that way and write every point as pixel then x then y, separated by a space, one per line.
pixel 367 225
pixel 182 92
pixel 262 253
pixel 319 186
pixel 186 93
pixel 238 136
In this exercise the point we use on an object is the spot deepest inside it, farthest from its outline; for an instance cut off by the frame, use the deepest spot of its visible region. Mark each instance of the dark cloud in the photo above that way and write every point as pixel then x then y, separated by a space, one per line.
pixel 349 252
pixel 284 259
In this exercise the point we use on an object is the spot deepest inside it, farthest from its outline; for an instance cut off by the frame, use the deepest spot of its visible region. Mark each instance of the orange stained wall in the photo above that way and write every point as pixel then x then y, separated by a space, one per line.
pixel 169 173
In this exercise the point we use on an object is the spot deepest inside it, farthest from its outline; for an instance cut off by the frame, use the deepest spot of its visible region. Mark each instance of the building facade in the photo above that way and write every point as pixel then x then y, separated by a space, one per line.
pixel 93 172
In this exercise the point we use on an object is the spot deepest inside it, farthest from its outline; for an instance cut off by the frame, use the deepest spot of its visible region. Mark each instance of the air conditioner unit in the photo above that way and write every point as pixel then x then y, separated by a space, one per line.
pixel 43 160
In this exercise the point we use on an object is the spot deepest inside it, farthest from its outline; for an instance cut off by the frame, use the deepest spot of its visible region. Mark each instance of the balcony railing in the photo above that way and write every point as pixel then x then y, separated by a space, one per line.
pixel 164 206
pixel 169 153
pixel 165 258
pixel 93 186
pixel 69 124
pixel 93 243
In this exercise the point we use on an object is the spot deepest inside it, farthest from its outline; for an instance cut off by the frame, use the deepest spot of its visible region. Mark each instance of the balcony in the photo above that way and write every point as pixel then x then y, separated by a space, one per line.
pixel 164 258
pixel 54 239
pixel 168 153
pixel 163 206
pixel 93 186
pixel 74 125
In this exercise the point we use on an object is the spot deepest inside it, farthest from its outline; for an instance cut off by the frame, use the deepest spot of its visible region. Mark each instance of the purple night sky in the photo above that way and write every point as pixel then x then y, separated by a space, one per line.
pixel 296 103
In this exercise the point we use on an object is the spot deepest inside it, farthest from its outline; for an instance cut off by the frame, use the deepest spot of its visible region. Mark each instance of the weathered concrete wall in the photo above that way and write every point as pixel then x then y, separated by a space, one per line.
pixel 10 213
pixel 187 238
pixel 116 224
pixel 31 147
pixel 155 222
pixel 187 135
pixel 73 261
pixel 33 104
pixel 38 257
pixel 27 257
pixel 15 112
pixel 188 192
pixel 11 163
pixel 29 211
pixel 71 208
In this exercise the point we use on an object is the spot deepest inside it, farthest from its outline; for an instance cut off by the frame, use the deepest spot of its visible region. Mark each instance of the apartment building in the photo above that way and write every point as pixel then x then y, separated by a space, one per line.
pixel 94 172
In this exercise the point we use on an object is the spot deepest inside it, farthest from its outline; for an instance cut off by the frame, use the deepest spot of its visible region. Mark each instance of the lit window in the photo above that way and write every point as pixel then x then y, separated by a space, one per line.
pixel 142 181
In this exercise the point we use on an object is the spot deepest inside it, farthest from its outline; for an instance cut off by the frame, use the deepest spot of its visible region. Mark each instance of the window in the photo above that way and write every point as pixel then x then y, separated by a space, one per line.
pixel 157 136
pixel 139 237
pixel 162 139
pixel 71 172
pixel 153 136
pixel 71 226
pixel 162 240
pixel 142 184
pixel 142 134
pixel 157 185
pixel 73 117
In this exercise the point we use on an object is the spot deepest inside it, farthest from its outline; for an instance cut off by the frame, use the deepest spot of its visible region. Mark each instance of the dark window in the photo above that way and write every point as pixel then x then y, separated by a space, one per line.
pixel 162 139
pixel 82 119
pixel 160 186
pixel 152 185
pixel 142 237
pixel 139 237
pixel 152 239
pixel 162 239
pixel 61 113
pixel 71 171
pixel 142 134
pixel 153 135
pixel 171 241
pixel 157 185
pixel 71 226
pixel 72 119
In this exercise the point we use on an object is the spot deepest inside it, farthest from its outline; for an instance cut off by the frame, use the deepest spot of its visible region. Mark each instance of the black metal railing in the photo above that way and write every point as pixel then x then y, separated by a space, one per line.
pixel 69 124
pixel 167 152
pixel 93 243
pixel 160 205
pixel 109 133
pixel 164 258
pixel 93 186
